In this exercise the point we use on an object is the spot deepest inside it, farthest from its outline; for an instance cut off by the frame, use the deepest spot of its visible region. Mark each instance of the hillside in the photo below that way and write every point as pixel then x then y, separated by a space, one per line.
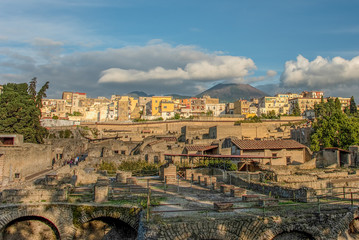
pixel 232 92
pixel 137 94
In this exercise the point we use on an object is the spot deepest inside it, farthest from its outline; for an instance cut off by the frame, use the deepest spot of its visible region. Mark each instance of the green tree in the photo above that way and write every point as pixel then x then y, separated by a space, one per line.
pixel 333 128
pixel 37 97
pixel 76 114
pixel 338 105
pixel 270 115
pixel 20 112
pixel 177 116
pixel 353 106
pixel 296 109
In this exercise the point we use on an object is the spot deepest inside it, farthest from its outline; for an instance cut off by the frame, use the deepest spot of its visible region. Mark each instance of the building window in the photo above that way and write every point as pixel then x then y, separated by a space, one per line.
pixel 155 160
pixel 289 161
pixel 146 158
pixel 17 175
pixel 123 152
pixel 274 155
pixel 116 151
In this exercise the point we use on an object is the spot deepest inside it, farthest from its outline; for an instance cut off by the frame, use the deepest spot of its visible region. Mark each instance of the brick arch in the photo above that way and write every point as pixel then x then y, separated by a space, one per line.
pixel 311 231
pixel 132 221
pixel 352 224
pixel 353 228
pixel 12 216
pixel 294 235
pixel 36 218
pixel 199 230
pixel 56 216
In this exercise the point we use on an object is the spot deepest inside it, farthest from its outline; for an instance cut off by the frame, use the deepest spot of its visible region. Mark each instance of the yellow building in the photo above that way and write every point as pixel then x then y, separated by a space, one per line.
pixel 345 102
pixel 210 100
pixel 156 104
pixel 305 104
pixel 123 107
pixel 279 104
pixel 241 107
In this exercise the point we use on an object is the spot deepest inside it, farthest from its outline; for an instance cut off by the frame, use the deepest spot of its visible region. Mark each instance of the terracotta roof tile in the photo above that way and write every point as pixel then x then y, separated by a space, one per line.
pixel 169 139
pixel 155 142
pixel 200 147
pixel 267 144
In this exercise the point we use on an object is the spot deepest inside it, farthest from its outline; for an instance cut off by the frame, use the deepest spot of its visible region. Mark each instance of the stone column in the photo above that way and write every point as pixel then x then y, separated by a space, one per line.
pixel 121 176
pixel 101 193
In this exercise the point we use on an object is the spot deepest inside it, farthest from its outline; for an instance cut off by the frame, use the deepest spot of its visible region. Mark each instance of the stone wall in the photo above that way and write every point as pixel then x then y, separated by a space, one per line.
pixel 18 162
pixel 301 194
pixel 296 178
pixel 111 148
pixel 64 218
pixel 297 156
pixel 215 172
pixel 195 128
pixel 246 227
pixel 33 195
pixel 68 147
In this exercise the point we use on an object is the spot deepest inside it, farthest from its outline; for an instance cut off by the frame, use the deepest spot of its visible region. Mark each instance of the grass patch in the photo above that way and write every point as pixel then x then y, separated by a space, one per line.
pixel 122 201
pixel 139 168
pixel 286 203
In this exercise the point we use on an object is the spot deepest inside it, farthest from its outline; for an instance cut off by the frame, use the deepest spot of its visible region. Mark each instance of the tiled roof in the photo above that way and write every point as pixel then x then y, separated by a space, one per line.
pixel 200 147
pixel 267 144
pixel 335 148
pixel 155 142
pixel 169 139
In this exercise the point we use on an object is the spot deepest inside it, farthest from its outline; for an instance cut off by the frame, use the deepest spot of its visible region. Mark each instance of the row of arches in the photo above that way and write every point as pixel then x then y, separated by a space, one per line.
pixel 38 228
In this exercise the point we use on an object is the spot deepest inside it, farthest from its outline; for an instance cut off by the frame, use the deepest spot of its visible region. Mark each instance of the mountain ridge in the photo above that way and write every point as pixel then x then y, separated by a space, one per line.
pixel 230 92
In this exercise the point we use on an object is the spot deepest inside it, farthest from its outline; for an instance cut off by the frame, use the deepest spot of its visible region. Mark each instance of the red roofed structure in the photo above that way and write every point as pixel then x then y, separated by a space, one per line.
pixel 287 152
pixel 267 144
pixel 202 149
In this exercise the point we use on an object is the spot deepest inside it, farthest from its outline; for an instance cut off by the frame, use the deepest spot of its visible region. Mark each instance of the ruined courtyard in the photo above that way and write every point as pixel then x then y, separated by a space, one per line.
pixel 197 185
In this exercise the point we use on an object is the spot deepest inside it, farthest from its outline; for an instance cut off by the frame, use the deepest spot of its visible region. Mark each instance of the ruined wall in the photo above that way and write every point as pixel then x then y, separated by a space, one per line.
pixel 302 194
pixel 301 135
pixel 220 131
pixel 19 162
pixel 33 195
pixel 111 148
pixel 266 130
pixel 297 156
pixel 327 158
pixel 246 227
pixel 321 182
pixel 139 131
pixel 71 147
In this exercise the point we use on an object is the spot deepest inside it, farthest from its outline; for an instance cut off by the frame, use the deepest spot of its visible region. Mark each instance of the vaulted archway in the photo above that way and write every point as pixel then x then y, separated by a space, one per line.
pixel 105 228
pixel 30 227
pixel 293 235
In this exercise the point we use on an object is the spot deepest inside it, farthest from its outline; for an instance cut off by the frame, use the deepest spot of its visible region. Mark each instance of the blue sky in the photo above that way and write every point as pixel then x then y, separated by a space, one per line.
pixel 163 46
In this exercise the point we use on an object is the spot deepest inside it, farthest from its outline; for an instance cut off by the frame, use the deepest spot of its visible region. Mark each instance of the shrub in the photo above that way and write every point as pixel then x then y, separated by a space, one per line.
pixel 139 168
pixel 110 167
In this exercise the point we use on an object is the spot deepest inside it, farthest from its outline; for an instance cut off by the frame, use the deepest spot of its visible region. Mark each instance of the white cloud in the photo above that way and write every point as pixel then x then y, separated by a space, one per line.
pixel 320 73
pixel 157 68
pixel 46 42
pixel 269 75
pixel 209 68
